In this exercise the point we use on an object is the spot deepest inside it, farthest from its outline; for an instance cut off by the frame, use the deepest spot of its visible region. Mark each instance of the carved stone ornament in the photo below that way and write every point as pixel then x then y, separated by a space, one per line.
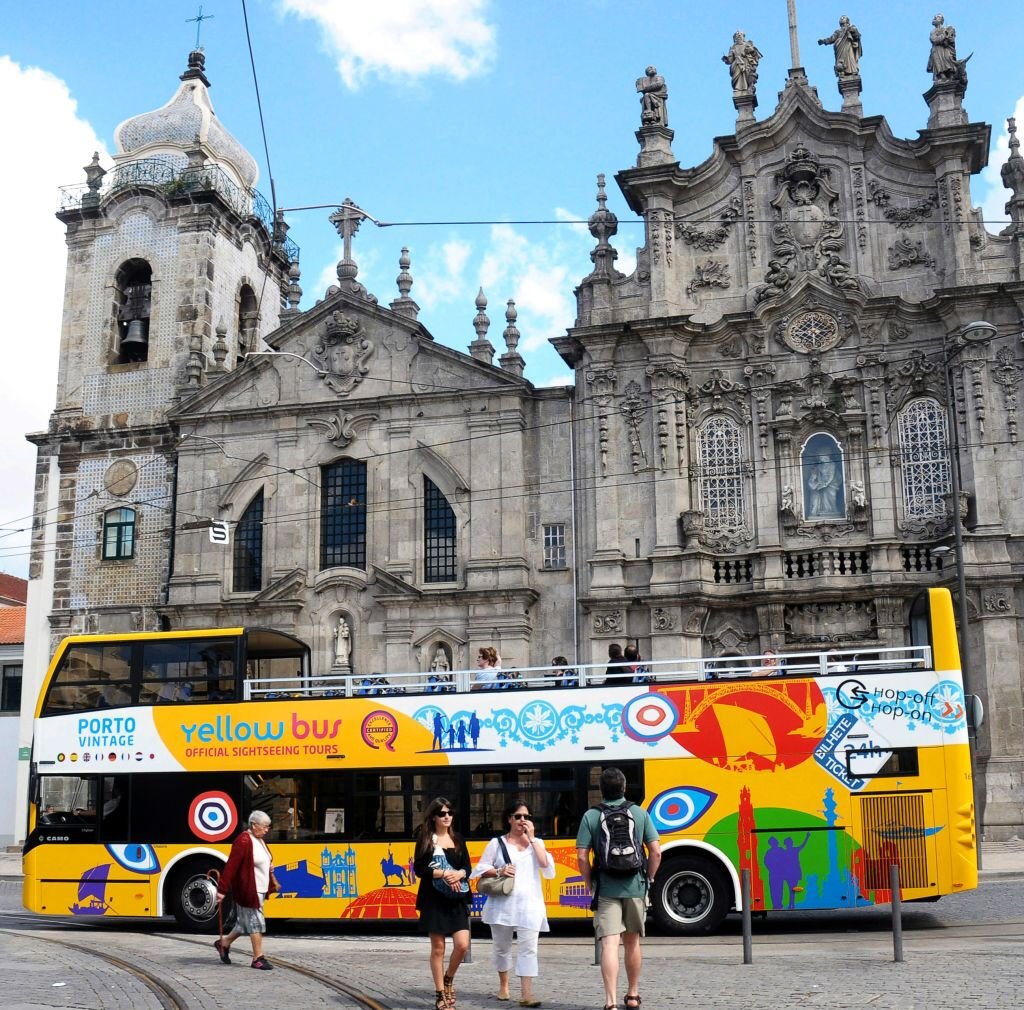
pixel 121 477
pixel 997 603
pixel 902 217
pixel 717 539
pixel 662 619
pixel 708 239
pixel 1007 373
pixel 342 353
pixel 710 274
pixel 808 237
pixel 340 430
pixel 843 621
pixel 634 409
pixel 906 253
pixel 608 622
pixel 811 331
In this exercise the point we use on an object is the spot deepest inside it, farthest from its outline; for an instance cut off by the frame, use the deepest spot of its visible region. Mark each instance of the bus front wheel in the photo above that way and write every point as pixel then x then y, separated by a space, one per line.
pixel 691 894
pixel 192 897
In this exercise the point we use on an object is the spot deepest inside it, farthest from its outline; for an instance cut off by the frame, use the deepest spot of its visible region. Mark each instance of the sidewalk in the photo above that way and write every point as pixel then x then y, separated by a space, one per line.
pixel 1000 860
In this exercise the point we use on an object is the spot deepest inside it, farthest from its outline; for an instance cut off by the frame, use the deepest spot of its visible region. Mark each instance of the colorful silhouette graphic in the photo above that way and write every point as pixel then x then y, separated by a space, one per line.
pixel 784 871
pixel 390 869
pixel 92 892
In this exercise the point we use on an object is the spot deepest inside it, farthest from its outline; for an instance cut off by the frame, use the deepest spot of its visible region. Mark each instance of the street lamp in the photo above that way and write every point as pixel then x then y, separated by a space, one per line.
pixel 977 332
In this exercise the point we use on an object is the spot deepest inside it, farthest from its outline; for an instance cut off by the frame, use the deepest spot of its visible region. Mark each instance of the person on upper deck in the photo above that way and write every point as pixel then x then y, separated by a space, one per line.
pixel 616 662
pixel 487 664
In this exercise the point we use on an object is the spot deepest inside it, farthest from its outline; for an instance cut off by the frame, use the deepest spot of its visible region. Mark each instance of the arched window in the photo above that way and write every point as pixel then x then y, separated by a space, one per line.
pixel 248 550
pixel 924 458
pixel 821 468
pixel 343 514
pixel 118 534
pixel 248 317
pixel 438 535
pixel 720 451
pixel 133 285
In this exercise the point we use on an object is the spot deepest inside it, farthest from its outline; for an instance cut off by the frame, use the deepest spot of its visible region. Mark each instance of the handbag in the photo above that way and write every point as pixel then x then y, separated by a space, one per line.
pixel 497 887
pixel 440 862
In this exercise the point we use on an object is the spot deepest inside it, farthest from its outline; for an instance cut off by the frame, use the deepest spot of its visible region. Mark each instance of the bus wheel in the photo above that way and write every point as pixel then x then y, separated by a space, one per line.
pixel 193 898
pixel 691 894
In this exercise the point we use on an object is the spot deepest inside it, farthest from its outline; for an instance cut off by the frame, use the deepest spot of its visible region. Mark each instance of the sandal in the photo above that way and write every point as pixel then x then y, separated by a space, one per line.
pixel 449 991
pixel 441 1002
pixel 530 1002
pixel 632 1002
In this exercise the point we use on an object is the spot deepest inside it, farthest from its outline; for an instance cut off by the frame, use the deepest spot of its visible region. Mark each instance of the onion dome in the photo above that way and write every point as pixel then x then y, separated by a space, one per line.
pixel 187 121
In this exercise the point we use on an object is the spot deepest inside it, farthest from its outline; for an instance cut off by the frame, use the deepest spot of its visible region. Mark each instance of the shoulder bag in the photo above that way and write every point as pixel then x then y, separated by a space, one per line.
pixel 497 887
pixel 440 862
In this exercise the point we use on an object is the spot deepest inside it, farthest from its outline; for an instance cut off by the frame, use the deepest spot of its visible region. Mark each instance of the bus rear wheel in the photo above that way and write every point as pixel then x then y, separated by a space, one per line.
pixel 691 895
pixel 192 897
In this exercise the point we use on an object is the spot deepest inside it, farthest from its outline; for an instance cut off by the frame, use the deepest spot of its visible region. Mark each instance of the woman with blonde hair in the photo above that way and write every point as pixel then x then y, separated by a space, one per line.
pixel 442 864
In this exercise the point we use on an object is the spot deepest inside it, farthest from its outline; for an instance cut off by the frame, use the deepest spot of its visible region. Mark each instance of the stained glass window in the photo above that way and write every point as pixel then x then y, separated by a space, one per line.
pixel 248 551
pixel 720 451
pixel 924 458
pixel 438 535
pixel 343 514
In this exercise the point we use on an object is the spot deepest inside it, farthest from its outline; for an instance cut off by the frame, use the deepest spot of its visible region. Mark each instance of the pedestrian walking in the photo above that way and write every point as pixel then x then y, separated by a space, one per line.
pixel 442 863
pixel 617 832
pixel 521 856
pixel 249 878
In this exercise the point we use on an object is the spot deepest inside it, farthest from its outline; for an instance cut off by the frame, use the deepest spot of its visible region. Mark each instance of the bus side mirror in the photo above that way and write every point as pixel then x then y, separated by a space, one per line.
pixel 976 711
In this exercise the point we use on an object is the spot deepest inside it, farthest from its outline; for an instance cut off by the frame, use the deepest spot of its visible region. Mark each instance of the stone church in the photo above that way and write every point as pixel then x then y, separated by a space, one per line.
pixel 755 453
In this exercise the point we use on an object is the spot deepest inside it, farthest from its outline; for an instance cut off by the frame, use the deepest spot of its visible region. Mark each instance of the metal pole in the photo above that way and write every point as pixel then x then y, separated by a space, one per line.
pixel 748 937
pixel 897 913
pixel 961 589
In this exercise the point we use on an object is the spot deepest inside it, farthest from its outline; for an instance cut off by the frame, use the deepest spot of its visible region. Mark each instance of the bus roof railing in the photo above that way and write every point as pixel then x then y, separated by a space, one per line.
pixel 834 662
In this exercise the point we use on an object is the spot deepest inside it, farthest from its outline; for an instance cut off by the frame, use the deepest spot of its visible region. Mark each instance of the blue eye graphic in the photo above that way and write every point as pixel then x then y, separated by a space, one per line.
pixel 135 858
pixel 679 807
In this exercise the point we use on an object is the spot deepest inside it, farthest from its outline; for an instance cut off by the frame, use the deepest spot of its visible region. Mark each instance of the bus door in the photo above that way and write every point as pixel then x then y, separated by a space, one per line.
pixel 897 828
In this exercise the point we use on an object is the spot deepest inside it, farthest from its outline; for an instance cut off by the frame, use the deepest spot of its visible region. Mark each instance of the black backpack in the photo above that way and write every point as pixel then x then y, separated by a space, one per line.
pixel 618 849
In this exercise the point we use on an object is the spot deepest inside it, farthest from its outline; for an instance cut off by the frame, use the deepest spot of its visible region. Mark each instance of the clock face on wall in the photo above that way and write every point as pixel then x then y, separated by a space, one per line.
pixel 812 331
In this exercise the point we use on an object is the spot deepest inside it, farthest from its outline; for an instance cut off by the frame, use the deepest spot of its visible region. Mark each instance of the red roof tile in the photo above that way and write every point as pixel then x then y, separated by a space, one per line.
pixel 13 588
pixel 12 625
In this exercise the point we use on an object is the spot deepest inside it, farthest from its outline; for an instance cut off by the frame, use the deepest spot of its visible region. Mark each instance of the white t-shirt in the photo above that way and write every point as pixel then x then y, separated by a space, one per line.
pixel 488 675
pixel 524 907
pixel 261 863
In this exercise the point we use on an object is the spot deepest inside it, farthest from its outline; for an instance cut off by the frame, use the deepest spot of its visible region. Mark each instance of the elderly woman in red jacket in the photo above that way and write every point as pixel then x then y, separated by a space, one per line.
pixel 248 877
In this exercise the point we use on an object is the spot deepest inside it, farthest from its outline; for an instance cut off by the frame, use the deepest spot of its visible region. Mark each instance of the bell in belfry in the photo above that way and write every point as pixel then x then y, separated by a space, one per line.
pixel 134 344
pixel 135 324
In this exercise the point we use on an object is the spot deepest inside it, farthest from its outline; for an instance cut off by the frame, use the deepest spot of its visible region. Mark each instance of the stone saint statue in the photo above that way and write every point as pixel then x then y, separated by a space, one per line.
pixel 942 62
pixel 653 99
pixel 742 59
pixel 824 483
pixel 788 506
pixel 343 646
pixel 858 496
pixel 846 44
pixel 439 664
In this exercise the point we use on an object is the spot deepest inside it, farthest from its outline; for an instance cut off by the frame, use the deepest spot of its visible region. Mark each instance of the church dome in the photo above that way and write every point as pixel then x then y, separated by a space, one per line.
pixel 185 122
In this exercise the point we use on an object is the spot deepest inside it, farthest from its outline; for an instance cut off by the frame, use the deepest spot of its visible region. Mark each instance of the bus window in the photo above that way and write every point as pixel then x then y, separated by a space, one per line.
pixel 548 791
pixel 69 801
pixel 114 808
pixel 427 786
pixel 161 803
pixel 89 677
pixel 187 670
pixel 378 807
pixel 634 772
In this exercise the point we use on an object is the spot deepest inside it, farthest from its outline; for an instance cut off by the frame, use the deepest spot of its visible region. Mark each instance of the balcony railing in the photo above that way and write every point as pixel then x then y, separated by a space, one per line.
pixel 171 181
pixel 812 564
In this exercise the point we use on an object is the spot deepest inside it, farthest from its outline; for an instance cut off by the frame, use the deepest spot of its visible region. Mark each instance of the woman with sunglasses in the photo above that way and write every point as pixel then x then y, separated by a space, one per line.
pixel 443 914
pixel 521 912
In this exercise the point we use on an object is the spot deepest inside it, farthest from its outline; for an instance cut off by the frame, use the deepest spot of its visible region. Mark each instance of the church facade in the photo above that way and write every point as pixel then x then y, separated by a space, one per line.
pixel 755 452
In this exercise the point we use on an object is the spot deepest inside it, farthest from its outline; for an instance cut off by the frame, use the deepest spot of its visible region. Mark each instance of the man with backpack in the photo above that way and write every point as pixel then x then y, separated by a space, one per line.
pixel 617 832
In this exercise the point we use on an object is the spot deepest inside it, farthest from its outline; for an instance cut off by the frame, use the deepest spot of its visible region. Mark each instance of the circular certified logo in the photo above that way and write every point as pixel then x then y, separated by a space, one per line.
pixel 649 717
pixel 380 729
pixel 212 816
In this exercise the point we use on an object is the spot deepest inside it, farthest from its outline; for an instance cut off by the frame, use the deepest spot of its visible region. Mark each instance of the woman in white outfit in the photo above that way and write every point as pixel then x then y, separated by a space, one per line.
pixel 520 913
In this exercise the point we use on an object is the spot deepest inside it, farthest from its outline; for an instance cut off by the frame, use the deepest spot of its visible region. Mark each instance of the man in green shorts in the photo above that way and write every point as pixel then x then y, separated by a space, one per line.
pixel 621 895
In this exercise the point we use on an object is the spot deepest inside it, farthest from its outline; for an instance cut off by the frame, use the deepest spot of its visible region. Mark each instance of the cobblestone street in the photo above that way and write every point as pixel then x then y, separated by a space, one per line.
pixel 963 951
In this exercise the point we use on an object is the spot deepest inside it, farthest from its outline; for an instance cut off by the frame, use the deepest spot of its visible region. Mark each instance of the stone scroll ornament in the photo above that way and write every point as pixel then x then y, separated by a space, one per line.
pixel 342 353
pixel 808 237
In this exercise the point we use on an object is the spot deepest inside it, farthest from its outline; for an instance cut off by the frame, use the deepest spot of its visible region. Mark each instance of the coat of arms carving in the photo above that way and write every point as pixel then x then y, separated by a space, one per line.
pixel 342 353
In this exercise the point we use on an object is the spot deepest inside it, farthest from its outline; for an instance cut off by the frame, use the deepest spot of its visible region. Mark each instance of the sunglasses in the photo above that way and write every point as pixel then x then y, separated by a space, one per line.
pixel 444 813
pixel 520 817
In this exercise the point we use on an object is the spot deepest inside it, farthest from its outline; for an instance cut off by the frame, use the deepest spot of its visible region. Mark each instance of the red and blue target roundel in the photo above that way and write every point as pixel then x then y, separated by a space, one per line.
pixel 649 717
pixel 679 807
pixel 212 816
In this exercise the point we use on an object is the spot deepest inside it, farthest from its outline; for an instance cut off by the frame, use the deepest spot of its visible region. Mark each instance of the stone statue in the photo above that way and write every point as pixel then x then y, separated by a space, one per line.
pixel 825 483
pixel 788 505
pixel 440 663
pixel 653 99
pixel 858 496
pixel 742 60
pixel 343 646
pixel 942 62
pixel 846 45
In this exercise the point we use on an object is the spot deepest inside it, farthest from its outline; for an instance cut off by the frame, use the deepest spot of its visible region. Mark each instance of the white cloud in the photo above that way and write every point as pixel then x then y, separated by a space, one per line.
pixel 367 262
pixel 440 274
pixel 993 203
pixel 567 379
pixel 402 38
pixel 37 105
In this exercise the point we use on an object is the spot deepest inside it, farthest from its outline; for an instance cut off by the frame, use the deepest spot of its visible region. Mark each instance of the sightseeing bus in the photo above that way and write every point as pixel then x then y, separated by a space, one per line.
pixel 814 770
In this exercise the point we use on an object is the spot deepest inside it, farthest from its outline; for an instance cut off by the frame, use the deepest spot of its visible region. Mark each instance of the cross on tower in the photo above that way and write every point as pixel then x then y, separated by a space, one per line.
pixel 199 19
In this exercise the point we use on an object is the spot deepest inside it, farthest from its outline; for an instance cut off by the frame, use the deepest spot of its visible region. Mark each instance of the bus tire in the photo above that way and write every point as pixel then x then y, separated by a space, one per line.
pixel 691 894
pixel 192 897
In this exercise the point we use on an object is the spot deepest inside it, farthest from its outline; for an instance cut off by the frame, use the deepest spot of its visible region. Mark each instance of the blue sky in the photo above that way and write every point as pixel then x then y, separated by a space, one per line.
pixel 428 110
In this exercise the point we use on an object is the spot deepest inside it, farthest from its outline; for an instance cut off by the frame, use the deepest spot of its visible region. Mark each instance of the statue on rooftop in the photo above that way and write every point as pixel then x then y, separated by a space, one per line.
pixel 653 99
pixel 742 59
pixel 942 62
pixel 846 44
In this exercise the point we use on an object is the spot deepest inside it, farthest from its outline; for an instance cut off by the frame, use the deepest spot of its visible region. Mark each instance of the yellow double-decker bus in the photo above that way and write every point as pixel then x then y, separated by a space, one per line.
pixel 814 770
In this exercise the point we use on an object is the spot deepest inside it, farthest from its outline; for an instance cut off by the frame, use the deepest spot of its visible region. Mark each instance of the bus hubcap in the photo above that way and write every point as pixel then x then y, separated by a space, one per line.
pixel 199 898
pixel 688 896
